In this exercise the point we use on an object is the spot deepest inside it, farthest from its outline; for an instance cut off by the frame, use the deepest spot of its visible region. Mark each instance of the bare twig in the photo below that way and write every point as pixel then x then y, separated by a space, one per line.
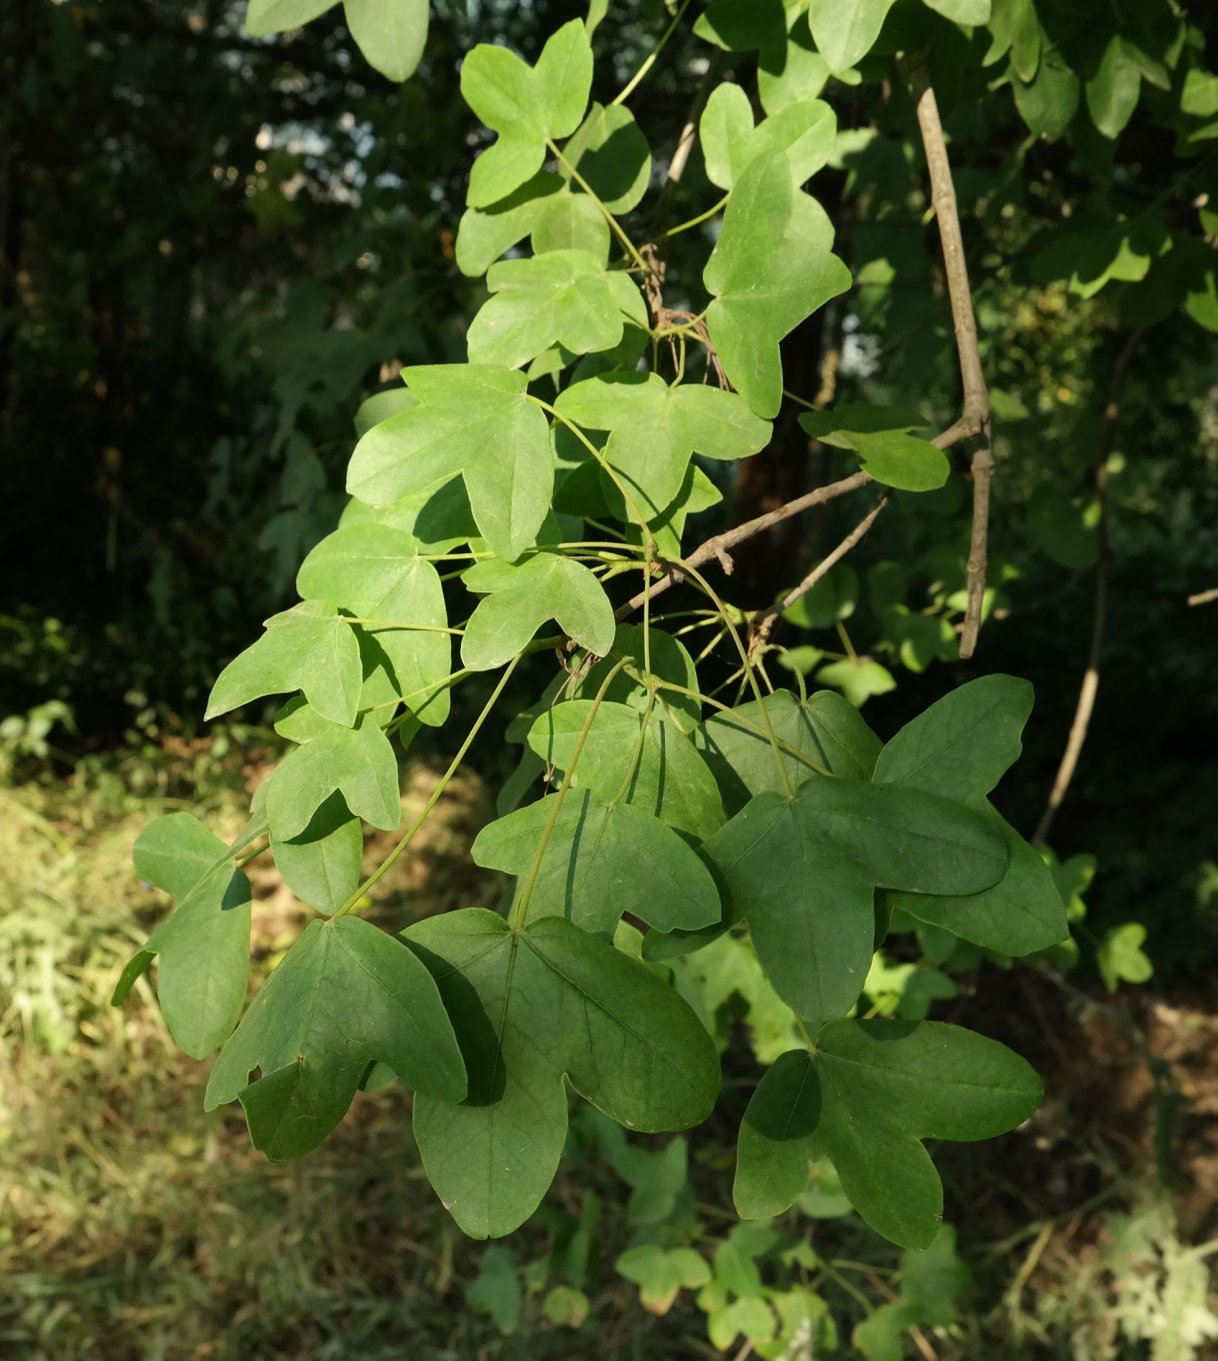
pixel 1091 677
pixel 723 543
pixel 763 620
pixel 974 422
pixel 1204 597
pixel 685 143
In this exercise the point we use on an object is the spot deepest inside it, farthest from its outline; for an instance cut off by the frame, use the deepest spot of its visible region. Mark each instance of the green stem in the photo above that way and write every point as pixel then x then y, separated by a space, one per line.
pixel 633 83
pixel 708 590
pixel 744 722
pixel 636 755
pixel 398 625
pixel 520 911
pixel 700 219
pixel 600 458
pixel 614 225
pixel 446 779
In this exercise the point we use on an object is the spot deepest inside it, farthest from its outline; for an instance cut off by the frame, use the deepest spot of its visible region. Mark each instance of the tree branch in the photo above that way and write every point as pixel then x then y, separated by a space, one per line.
pixel 1091 677
pixel 974 422
pixel 1204 597
pixel 763 620
pixel 720 544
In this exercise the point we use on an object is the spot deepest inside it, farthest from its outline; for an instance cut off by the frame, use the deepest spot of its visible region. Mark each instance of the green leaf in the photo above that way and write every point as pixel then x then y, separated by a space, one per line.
pixel 655 429
pixel 346 995
pixel 610 153
pixel 792 70
pixel 277 16
pixel 202 950
pixel 379 407
pixel 564 297
pixel 590 870
pixel 743 25
pixel 671 781
pixel 474 420
pixel 870 1094
pixel 1093 254
pixel 670 661
pixel 880 436
pixel 571 222
pixel 806 130
pixel 834 597
pixel 375 572
pixel 357 762
pixel 1121 958
pixel 1047 102
pixel 771 268
pixel 1064 528
pixel 525 105
pixel 934 1279
pixel 438 517
pixel 390 33
pixel 803 872
pixel 697 493
pixel 825 727
pixel 483 234
pixel 522 598
pixel 566 1307
pixel 964 743
pixel 496 1291
pixel 857 678
pixel 1019 915
pixel 777 1144
pixel 1113 91
pixel 322 865
pixel 846 30
pixel 960 748
pixel 962 11
pixel 529 1007
pixel 661 1273
pixel 881 1335
pixel 309 647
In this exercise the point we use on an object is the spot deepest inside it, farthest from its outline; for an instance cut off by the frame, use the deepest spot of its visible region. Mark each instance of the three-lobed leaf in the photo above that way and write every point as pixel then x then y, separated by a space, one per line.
pixel 825 730
pixel 471 419
pixel 310 647
pixel 563 297
pixel 531 1007
pixel 602 860
pixel 803 870
pixel 806 130
pixel 519 599
pixel 375 571
pixel 866 1098
pixel 357 762
pixel 668 779
pixel 346 995
pixel 654 430
pixel 527 106
pixel 961 746
pixel 202 949
pixel 771 268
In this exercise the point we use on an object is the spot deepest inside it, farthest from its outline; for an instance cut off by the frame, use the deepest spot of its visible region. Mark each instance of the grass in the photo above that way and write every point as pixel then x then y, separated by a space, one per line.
pixel 133 1227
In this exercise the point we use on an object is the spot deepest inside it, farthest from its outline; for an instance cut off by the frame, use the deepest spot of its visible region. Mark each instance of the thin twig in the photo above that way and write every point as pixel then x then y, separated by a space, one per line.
pixel 685 143
pixel 1204 597
pixel 1091 677
pixel 974 422
pixel 722 543
pixel 763 621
